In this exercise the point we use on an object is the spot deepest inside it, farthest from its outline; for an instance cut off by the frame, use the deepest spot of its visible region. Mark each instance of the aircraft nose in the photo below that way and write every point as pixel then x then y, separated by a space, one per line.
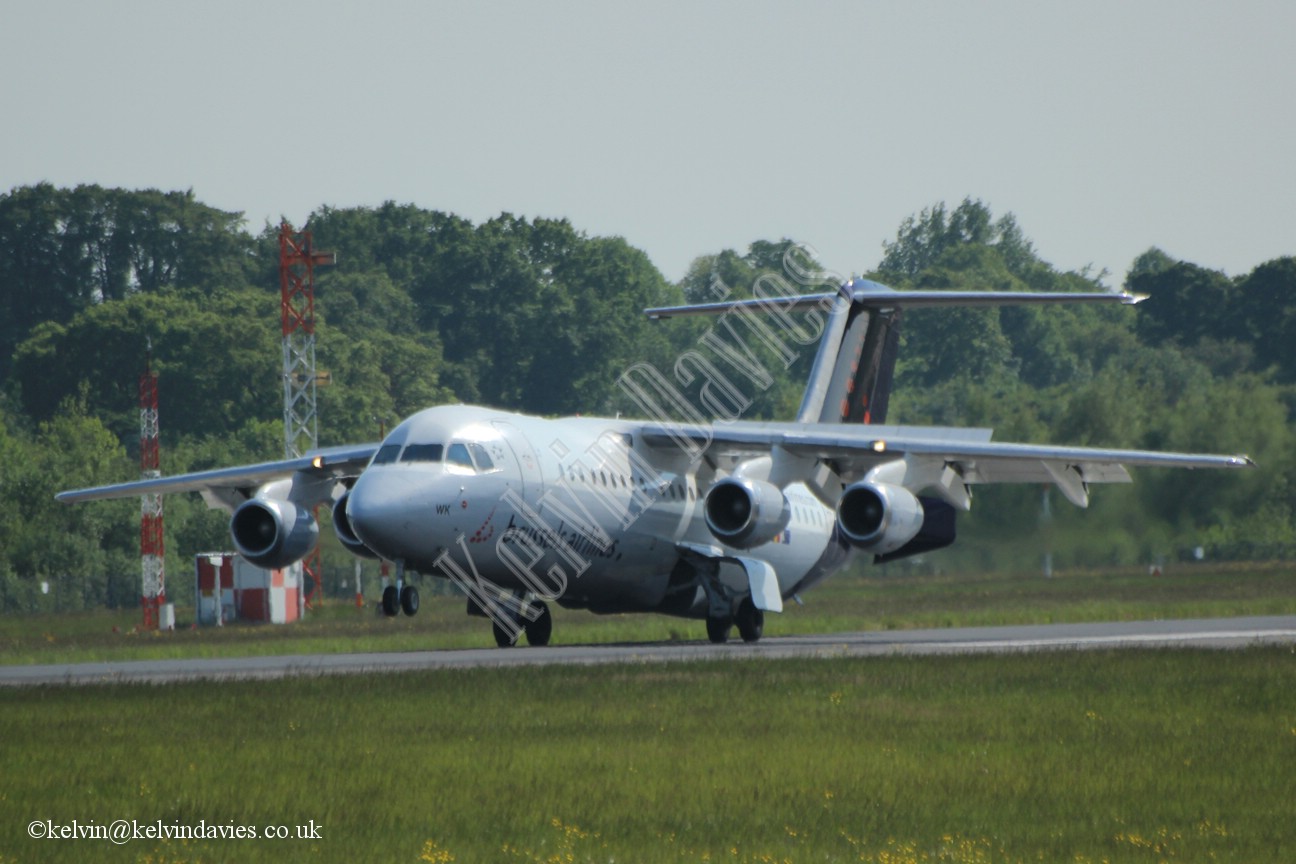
pixel 384 511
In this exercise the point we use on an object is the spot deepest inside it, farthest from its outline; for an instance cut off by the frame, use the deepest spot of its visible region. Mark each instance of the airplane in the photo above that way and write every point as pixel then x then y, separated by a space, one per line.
pixel 721 519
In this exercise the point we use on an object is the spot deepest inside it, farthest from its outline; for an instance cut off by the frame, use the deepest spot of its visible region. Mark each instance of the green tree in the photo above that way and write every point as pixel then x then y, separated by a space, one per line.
pixel 216 359
pixel 969 344
pixel 923 240
pixel 1150 263
pixel 1185 304
pixel 1266 315
pixel 63 250
pixel 82 553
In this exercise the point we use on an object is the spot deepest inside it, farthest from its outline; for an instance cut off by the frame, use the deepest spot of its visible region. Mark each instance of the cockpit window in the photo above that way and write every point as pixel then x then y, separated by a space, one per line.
pixel 386 454
pixel 484 463
pixel 458 455
pixel 422 453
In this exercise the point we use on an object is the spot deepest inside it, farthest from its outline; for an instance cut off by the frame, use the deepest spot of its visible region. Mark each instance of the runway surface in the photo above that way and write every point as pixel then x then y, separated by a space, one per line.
pixel 1208 633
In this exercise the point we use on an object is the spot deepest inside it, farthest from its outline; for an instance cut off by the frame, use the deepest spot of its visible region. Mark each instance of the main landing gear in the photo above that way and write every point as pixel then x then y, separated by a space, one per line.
pixel 727 604
pixel 537 630
pixel 511 615
pixel 750 621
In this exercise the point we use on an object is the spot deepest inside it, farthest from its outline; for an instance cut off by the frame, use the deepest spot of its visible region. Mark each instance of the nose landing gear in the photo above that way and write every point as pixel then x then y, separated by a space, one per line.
pixel 395 600
pixel 400 597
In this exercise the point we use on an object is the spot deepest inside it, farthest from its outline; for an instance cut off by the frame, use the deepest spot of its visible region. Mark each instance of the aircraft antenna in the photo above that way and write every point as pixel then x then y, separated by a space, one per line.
pixel 153 594
pixel 297 262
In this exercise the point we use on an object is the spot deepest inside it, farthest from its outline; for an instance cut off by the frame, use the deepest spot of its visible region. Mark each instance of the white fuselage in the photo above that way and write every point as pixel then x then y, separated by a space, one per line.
pixel 578 510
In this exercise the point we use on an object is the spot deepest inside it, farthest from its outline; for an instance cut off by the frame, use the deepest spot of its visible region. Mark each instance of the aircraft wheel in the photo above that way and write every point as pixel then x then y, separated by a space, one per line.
pixel 750 621
pixel 539 630
pixel 409 600
pixel 718 630
pixel 390 601
pixel 503 638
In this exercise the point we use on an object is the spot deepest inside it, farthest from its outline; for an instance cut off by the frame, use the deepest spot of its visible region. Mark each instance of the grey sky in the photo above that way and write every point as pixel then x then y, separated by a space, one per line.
pixel 1106 127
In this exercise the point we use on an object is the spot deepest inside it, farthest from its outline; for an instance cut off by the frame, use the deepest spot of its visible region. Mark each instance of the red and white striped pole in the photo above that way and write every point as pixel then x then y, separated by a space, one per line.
pixel 152 551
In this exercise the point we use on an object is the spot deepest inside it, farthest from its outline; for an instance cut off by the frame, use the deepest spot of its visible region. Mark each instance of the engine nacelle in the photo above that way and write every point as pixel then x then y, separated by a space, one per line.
pixel 345 533
pixel 272 533
pixel 878 517
pixel 744 513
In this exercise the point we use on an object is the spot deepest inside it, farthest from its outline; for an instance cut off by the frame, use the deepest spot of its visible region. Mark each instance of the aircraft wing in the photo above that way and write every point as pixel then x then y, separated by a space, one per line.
pixel 227 487
pixel 852 451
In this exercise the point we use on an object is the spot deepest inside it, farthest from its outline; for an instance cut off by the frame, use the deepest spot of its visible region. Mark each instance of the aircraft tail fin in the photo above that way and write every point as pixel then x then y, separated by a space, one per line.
pixel 851 379
pixel 859 389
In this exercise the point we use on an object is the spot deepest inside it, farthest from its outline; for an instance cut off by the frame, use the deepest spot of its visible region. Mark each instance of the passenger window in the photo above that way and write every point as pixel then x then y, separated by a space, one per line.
pixel 458 456
pixel 422 453
pixel 482 458
pixel 386 454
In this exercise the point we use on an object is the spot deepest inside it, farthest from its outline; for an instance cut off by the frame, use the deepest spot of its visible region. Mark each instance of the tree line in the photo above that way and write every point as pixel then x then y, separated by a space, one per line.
pixel 425 307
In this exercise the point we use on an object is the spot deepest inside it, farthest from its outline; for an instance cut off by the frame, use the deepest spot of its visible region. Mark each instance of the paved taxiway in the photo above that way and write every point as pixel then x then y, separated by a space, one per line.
pixel 1212 633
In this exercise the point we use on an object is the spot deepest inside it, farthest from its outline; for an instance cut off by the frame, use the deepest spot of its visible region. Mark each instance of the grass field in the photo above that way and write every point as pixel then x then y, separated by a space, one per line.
pixel 1135 756
pixel 883 600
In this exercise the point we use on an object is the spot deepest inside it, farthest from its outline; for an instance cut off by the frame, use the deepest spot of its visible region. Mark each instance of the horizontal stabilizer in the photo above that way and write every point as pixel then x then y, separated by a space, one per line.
pixel 872 295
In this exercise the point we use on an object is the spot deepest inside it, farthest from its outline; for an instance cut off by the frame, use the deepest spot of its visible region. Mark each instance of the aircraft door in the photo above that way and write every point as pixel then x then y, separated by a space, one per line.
pixel 527 461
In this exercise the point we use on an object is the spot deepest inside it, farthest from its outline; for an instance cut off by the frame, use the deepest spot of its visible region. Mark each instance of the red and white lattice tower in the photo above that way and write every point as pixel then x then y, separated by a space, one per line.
pixel 297 262
pixel 153 594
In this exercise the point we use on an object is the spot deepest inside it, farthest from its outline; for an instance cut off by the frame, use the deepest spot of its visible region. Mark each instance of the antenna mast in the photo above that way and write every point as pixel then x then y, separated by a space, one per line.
pixel 297 262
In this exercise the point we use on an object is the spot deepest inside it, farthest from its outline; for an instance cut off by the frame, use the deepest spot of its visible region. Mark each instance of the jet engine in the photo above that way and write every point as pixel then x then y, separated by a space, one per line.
pixel 345 533
pixel 879 517
pixel 272 533
pixel 745 513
